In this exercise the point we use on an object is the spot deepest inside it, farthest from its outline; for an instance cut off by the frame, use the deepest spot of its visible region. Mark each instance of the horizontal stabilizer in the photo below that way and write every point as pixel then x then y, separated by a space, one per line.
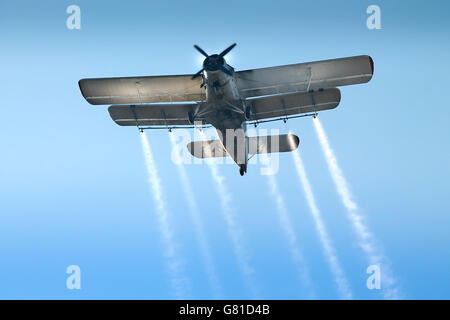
pixel 272 144
pixel 256 145
pixel 206 149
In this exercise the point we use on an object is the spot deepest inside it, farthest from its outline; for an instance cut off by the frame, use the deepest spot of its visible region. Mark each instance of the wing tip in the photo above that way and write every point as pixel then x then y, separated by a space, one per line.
pixel 372 68
pixel 339 96
pixel 337 91
pixel 296 141
pixel 80 86
pixel 371 64
pixel 114 118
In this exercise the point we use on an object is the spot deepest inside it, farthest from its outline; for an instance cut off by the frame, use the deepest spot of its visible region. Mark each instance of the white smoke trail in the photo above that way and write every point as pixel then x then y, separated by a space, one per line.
pixel 366 240
pixel 234 230
pixel 286 224
pixel 198 225
pixel 336 269
pixel 179 282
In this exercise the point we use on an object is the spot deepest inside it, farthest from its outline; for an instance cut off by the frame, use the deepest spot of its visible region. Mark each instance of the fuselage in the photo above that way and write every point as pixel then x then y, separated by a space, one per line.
pixel 226 112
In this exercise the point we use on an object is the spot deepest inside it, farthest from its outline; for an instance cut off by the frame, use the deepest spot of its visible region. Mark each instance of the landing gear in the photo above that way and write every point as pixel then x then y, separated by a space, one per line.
pixel 242 169
pixel 191 117
pixel 248 113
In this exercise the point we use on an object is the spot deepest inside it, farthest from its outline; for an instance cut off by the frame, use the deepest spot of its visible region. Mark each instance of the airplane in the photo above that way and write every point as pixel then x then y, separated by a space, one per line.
pixel 228 100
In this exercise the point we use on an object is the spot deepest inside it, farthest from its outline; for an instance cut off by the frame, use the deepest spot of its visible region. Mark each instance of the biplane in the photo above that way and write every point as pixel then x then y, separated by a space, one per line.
pixel 229 100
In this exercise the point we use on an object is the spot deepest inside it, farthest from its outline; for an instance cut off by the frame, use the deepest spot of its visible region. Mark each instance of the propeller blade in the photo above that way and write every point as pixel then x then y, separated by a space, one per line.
pixel 224 52
pixel 201 50
pixel 197 74
pixel 225 70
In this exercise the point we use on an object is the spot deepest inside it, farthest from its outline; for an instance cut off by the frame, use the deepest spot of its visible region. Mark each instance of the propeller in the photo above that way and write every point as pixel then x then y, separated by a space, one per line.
pixel 214 62
pixel 224 52
pixel 201 50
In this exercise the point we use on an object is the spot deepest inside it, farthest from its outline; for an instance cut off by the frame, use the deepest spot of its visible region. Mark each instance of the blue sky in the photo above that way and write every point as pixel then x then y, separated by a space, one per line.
pixel 74 185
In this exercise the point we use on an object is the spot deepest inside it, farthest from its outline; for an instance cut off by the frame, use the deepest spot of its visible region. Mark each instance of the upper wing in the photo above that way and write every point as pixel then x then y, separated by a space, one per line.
pixel 304 76
pixel 152 115
pixel 293 103
pixel 142 89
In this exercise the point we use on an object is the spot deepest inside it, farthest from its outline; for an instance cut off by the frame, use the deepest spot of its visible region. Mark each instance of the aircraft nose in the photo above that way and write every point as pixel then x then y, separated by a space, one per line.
pixel 213 62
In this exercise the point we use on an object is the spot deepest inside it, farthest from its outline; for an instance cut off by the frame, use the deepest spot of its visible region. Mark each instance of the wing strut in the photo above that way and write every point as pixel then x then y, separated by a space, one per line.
pixel 133 110
pixel 310 78
pixel 163 113
pixel 284 109
pixel 314 104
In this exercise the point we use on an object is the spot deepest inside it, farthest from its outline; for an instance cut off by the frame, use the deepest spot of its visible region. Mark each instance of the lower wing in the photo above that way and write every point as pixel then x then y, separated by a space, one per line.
pixel 285 105
pixel 153 114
